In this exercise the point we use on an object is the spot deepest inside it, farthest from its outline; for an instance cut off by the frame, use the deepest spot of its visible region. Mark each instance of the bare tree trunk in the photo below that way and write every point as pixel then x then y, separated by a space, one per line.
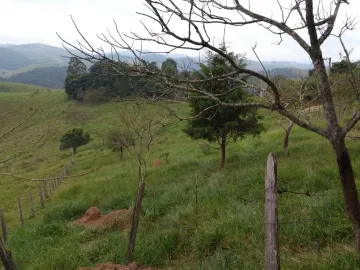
pixel 121 154
pixel 135 222
pixel 335 135
pixel 223 151
pixel 286 139
pixel 74 150
pixel 349 188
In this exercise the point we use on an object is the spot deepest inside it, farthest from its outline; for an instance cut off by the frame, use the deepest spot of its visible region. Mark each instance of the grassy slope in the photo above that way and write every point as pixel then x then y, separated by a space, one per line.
pixel 6 87
pixel 227 232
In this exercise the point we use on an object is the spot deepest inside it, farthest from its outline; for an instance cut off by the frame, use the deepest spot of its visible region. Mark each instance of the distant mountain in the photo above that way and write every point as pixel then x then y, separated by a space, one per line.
pixel 51 77
pixel 11 60
pixel 290 73
pixel 45 65
pixel 16 59
pixel 42 53
pixel 270 65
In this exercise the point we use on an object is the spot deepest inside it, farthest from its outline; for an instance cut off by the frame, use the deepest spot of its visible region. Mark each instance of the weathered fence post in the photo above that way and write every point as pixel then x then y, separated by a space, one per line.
pixel 50 187
pixel 154 203
pixel 32 212
pixel 40 197
pixel 20 211
pixel 6 257
pixel 45 189
pixel 272 254
pixel 135 222
pixel 3 225
pixel 196 196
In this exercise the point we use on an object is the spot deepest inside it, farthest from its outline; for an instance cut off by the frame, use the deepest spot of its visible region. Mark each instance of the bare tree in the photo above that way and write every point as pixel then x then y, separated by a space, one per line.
pixel 317 20
pixel 142 123
pixel 298 97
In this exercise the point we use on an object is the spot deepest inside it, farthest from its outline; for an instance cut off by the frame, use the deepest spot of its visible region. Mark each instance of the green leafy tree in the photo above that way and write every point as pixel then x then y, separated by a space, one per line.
pixel 219 124
pixel 75 78
pixel 344 66
pixel 74 138
pixel 76 67
pixel 169 67
pixel 119 140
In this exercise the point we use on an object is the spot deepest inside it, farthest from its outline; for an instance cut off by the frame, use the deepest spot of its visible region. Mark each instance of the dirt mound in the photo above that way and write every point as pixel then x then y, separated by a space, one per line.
pixel 109 266
pixel 94 219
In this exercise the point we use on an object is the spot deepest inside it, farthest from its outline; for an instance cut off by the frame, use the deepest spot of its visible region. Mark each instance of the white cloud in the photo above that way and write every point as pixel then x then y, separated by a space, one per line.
pixel 26 21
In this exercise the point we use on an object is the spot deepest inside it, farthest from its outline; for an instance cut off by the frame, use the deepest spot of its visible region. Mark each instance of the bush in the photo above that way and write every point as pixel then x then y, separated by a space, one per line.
pixel 93 95
pixel 79 116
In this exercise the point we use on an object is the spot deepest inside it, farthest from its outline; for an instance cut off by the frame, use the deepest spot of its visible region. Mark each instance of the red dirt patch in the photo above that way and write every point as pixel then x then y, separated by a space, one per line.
pixel 109 266
pixel 94 219
pixel 157 163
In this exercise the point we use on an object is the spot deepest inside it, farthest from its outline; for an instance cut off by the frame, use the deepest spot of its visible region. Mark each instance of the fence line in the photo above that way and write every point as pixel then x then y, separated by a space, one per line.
pixel 45 189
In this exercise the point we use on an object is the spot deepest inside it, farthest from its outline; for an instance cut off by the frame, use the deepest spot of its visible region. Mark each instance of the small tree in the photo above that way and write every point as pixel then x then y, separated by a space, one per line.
pixel 219 124
pixel 74 138
pixel 119 140
pixel 74 77
pixel 169 67
pixel 143 124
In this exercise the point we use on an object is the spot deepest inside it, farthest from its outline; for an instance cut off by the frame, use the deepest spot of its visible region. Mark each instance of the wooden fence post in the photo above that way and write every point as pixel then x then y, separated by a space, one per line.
pixel 6 257
pixel 20 211
pixel 40 197
pixel 272 254
pixel 135 222
pixel 32 212
pixel 196 196
pixel 3 225
pixel 50 187
pixel 154 203
pixel 45 189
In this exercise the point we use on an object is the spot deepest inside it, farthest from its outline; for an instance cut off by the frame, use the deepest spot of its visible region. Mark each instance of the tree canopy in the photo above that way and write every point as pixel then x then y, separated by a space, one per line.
pixel 219 124
pixel 74 138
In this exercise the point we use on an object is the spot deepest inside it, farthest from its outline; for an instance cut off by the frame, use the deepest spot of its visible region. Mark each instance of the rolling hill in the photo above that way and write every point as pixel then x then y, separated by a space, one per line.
pixel 11 87
pixel 12 60
pixel 16 59
pixel 51 77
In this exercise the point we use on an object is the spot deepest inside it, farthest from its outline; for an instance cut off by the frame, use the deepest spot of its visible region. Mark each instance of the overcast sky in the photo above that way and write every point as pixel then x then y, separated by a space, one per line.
pixel 30 21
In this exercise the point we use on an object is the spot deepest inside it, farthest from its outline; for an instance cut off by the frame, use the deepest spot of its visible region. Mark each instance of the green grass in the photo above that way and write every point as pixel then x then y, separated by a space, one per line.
pixel 227 232
pixel 19 87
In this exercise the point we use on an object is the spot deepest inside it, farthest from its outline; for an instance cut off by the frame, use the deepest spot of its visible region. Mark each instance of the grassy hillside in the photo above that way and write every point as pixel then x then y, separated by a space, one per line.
pixel 52 77
pixel 227 231
pixel 18 87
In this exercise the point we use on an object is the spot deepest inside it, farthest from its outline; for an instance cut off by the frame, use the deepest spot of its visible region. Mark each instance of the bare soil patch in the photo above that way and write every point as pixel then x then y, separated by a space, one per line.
pixel 94 219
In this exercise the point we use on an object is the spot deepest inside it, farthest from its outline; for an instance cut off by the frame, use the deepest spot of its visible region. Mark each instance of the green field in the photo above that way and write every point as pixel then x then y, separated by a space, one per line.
pixel 227 231
pixel 6 87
